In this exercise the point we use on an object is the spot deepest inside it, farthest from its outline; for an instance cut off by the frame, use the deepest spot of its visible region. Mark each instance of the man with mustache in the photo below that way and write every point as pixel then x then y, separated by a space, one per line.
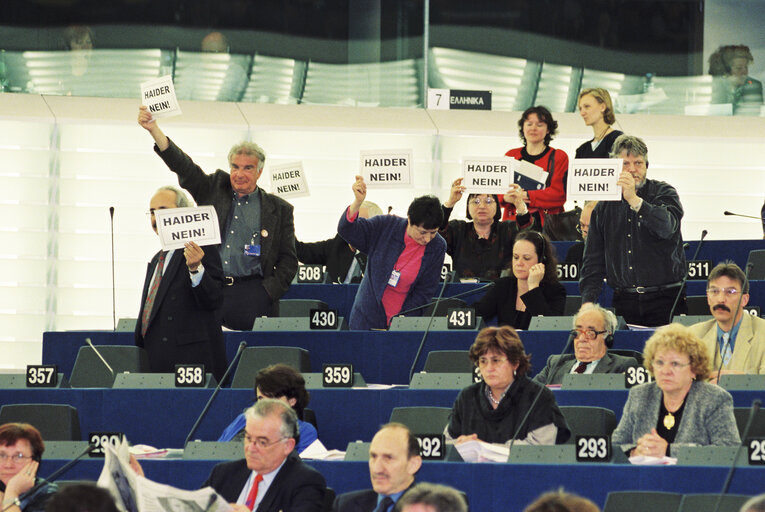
pixel 735 339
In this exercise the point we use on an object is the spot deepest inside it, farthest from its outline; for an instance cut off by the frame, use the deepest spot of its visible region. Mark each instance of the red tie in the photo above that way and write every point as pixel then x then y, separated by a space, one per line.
pixel 581 368
pixel 253 492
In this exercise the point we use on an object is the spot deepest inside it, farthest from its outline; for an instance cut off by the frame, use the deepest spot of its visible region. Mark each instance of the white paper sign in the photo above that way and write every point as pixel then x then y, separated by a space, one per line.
pixel 484 175
pixel 158 94
pixel 176 226
pixel 387 168
pixel 594 179
pixel 288 180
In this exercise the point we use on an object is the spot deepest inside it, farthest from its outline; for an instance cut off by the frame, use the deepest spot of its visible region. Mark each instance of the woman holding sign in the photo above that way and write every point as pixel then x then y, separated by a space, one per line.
pixel 532 289
pixel 679 407
pixel 483 247
pixel 495 409
pixel 404 258
pixel 597 111
pixel 536 129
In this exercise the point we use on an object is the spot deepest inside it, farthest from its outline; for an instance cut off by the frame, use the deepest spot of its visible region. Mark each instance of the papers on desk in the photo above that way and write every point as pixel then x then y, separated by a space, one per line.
pixel 478 451
pixel 644 460
pixel 134 493
pixel 144 451
pixel 318 451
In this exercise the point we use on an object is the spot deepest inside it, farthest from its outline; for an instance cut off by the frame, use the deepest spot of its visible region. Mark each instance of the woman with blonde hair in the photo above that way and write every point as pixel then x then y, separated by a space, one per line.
pixel 597 111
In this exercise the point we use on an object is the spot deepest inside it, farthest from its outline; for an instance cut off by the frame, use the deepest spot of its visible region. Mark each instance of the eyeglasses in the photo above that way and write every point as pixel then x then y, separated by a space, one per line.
pixel 714 291
pixel 675 365
pixel 590 334
pixel 262 442
pixel 17 458
pixel 582 227
pixel 477 201
pixel 484 361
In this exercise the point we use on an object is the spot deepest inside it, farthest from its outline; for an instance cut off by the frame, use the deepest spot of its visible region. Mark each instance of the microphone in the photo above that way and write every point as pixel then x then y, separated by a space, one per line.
pixel 239 351
pixel 726 212
pixel 114 288
pixel 430 322
pixel 26 497
pixel 752 413
pixel 87 340
pixel 462 294
pixel 685 277
pixel 569 341
pixel 735 315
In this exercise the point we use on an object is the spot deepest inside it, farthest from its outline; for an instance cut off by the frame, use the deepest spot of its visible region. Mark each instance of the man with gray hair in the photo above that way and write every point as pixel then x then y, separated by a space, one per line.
pixel 271 476
pixel 344 263
pixel 593 333
pixel 427 497
pixel 257 228
pixel 636 244
pixel 182 293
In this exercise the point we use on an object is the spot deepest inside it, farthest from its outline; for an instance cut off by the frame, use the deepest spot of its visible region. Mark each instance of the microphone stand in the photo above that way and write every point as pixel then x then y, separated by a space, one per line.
pixel 685 277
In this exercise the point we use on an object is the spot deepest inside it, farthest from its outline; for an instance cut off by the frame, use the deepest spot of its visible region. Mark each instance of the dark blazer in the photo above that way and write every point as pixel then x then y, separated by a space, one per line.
pixel 334 253
pixel 296 488
pixel 277 246
pixel 548 299
pixel 356 501
pixel 184 326
pixel 610 363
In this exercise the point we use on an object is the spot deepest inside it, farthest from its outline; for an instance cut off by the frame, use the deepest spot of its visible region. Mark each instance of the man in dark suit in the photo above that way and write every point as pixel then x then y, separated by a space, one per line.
pixel 344 263
pixel 179 319
pixel 257 228
pixel 272 476
pixel 594 327
pixel 394 459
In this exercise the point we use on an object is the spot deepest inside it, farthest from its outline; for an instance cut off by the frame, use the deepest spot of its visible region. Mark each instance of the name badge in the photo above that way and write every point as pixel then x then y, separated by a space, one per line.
pixel 394 277
pixel 252 250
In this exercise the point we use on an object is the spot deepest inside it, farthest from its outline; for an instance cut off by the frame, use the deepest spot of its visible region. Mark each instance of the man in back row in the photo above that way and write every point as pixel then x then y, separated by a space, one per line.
pixel 735 340
pixel 257 228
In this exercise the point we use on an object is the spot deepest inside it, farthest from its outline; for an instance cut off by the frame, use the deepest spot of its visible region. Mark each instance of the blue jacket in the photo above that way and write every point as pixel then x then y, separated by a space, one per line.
pixel 382 239
pixel 307 431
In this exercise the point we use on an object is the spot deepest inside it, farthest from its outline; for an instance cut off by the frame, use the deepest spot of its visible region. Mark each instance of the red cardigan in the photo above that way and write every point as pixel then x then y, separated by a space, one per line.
pixel 551 198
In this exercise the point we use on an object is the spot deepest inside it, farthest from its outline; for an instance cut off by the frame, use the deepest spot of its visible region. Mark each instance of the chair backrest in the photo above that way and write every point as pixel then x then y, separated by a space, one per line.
pixel 449 361
pixel 586 420
pixel 757 259
pixel 642 501
pixel 309 416
pixel 573 304
pixel 628 353
pixel 299 307
pixel 443 306
pixel 90 372
pixel 758 425
pixel 255 359
pixel 422 420
pixel 56 422
pixel 708 502
pixel 697 305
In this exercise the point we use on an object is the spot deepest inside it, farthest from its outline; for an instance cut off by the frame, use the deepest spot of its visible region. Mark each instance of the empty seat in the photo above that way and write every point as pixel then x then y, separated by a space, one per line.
pixel 90 372
pixel 697 305
pixel 758 425
pixel 573 305
pixel 56 422
pixel 642 501
pixel 255 359
pixel 449 361
pixel 299 307
pixel 585 420
pixel 422 420
pixel 757 259
pixel 708 503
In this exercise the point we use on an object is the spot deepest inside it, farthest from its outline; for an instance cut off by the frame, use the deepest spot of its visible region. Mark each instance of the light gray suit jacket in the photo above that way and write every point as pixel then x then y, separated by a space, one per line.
pixel 610 363
pixel 707 418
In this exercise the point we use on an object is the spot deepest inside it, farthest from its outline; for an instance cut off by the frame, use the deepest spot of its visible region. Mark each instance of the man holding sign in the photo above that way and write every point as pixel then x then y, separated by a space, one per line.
pixel 258 241
pixel 179 317
pixel 635 243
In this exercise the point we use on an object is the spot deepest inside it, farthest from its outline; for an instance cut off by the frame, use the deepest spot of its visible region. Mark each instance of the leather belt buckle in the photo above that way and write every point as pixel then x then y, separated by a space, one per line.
pixel 229 280
pixel 641 289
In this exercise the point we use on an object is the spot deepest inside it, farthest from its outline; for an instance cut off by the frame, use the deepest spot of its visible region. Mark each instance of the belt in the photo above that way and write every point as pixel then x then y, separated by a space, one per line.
pixel 648 289
pixel 232 280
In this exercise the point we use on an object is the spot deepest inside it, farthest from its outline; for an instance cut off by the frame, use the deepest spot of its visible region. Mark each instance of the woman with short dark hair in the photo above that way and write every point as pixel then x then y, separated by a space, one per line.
pixel 21 447
pixel 493 409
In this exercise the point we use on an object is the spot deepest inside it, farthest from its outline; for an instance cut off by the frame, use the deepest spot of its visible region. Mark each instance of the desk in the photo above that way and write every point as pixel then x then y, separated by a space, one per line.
pixel 164 417
pixel 489 487
pixel 381 357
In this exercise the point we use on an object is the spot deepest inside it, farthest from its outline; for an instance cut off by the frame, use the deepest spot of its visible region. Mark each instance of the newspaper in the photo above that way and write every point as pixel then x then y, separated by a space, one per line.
pixel 134 493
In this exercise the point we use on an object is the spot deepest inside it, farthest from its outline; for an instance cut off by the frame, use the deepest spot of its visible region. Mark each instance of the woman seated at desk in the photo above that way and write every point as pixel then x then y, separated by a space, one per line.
pixel 532 289
pixel 679 407
pixel 284 383
pixel 493 410
pixel 483 247
pixel 21 447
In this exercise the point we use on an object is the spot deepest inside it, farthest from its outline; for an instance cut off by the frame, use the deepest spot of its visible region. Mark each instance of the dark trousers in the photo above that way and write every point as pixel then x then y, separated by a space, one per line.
pixel 243 302
pixel 649 309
